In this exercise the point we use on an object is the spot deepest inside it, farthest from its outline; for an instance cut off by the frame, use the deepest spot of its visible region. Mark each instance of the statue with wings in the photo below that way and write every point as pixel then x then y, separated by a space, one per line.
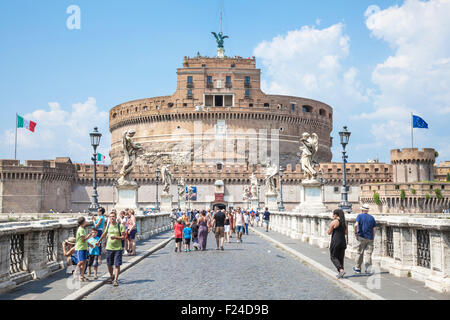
pixel 309 144
pixel 130 150
pixel 219 38
pixel 269 178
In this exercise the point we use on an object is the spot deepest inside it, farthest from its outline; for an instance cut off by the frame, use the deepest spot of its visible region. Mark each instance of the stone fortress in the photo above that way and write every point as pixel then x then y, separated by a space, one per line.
pixel 215 131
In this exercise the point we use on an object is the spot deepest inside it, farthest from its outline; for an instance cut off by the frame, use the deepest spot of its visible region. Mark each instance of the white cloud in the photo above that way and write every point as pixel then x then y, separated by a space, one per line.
pixel 416 77
pixel 61 132
pixel 309 62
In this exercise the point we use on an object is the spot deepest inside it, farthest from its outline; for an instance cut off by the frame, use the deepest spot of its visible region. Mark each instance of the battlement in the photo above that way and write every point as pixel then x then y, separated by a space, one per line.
pixel 214 62
pixel 58 169
pixel 413 154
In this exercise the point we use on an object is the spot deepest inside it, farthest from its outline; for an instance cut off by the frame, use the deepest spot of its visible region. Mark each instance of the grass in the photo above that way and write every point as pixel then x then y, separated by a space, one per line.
pixel 12 219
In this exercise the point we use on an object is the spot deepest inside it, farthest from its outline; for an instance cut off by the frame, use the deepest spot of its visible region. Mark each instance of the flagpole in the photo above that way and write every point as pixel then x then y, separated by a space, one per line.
pixel 412 130
pixel 15 141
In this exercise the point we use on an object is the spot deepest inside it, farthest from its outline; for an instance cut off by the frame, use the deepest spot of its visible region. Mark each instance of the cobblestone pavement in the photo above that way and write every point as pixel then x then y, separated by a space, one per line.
pixel 254 269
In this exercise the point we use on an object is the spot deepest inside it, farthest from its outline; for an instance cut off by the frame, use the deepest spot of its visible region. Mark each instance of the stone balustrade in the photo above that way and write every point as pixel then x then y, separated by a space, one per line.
pixel 33 250
pixel 416 247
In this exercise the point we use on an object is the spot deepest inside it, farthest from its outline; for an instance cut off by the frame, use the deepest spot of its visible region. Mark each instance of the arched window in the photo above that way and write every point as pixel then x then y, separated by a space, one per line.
pixel 322 112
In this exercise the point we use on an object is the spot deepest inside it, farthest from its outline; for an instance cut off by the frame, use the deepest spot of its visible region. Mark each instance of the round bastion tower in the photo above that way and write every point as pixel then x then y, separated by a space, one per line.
pixel 413 165
pixel 219 115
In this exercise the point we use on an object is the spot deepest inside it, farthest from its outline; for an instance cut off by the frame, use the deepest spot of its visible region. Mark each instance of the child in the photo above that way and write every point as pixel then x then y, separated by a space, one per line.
pixel 94 252
pixel 178 227
pixel 69 252
pixel 81 248
pixel 194 228
pixel 187 231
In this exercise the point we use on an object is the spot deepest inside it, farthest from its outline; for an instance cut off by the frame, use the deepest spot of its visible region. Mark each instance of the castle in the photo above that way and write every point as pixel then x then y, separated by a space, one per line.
pixel 216 130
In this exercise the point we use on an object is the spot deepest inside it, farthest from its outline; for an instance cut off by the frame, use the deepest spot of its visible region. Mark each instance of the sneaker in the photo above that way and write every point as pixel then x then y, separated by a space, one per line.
pixel 241 240
pixel 176 249
pixel 185 250
pixel 217 249
pixel 368 272
pixel 341 275
pixel 221 248
pixel 358 271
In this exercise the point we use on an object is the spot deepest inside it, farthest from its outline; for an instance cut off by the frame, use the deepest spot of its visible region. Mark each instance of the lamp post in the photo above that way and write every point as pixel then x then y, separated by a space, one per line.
pixel 95 142
pixel 158 173
pixel 259 204
pixel 344 205
pixel 280 173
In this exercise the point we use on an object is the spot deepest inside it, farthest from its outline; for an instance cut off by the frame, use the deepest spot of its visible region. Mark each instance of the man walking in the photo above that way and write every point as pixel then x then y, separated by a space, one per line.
pixel 239 225
pixel 266 218
pixel 365 230
pixel 219 225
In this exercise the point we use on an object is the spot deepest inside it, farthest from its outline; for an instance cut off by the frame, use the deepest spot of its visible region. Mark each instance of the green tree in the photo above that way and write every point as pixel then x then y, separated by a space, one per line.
pixel 448 177
pixel 413 191
pixel 376 198
pixel 427 196
pixel 402 194
pixel 438 193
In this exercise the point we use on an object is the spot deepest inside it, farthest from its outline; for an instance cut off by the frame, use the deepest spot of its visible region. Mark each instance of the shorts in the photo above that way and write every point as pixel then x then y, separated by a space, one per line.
pixel 227 228
pixel 132 234
pixel 93 261
pixel 257 219
pixel 74 260
pixel 178 240
pixel 240 229
pixel 220 233
pixel 81 255
pixel 114 258
pixel 187 241
pixel 266 222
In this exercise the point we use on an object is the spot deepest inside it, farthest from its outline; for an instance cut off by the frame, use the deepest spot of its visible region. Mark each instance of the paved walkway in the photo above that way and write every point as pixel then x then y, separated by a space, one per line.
pixel 254 269
pixel 57 286
pixel 391 287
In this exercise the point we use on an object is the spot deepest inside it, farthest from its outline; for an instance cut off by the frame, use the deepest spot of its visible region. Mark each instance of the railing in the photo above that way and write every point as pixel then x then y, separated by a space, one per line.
pixel 407 246
pixel 16 253
pixel 34 249
pixel 423 249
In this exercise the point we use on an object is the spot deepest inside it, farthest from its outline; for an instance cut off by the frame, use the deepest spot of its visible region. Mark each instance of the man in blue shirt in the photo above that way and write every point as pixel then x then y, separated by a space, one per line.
pixel 266 218
pixel 365 230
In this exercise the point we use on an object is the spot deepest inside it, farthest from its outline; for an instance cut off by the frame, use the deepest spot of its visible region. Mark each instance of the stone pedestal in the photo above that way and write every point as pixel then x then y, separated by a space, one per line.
pixel 312 197
pixel 221 53
pixel 128 197
pixel 271 201
pixel 254 204
pixel 166 202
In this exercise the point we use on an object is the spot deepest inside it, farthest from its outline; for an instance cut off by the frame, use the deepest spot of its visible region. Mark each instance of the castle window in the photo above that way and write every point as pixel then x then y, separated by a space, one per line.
pixel 144 108
pixel 281 129
pixel 219 166
pixel 203 65
pixel 218 101
pixel 397 187
pixel 250 105
pixel 247 93
pixel 170 104
pixel 292 106
pixel 189 79
pixel 266 105
pixel 322 112
pixel 189 92
pixel 306 109
pixel 228 80
pixel 114 115
pixel 233 65
pixel 209 80
pixel 247 82
pixel 336 189
pixel 184 104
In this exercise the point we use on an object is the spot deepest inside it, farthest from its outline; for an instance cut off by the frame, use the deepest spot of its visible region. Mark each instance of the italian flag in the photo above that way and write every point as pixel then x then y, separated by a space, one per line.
pixel 27 124
pixel 100 157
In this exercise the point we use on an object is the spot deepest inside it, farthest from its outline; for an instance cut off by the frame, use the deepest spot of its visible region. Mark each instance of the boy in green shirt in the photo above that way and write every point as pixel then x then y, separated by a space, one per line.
pixel 81 248
pixel 116 234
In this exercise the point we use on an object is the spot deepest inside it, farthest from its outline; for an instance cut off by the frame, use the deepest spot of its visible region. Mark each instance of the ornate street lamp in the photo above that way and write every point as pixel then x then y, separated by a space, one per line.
pixel 344 205
pixel 95 142
pixel 280 172
pixel 258 187
pixel 158 173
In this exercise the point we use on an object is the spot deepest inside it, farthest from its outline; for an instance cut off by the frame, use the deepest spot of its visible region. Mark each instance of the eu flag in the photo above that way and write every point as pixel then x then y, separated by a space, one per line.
pixel 418 122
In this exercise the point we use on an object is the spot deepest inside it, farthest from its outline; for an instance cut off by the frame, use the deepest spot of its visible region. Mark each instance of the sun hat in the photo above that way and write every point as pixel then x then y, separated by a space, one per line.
pixel 71 240
pixel 365 207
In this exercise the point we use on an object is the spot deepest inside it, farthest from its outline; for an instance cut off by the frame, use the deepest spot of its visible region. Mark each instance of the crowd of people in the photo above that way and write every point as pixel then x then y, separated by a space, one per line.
pixel 116 233
pixel 192 227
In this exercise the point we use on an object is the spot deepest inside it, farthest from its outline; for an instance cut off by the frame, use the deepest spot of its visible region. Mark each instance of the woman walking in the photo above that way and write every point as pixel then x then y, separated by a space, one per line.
pixel 338 230
pixel 202 231
pixel 227 227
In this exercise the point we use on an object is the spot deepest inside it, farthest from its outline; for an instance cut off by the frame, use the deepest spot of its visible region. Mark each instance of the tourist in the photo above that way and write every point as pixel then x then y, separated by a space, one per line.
pixel 227 228
pixel 266 218
pixel 94 253
pixel 69 252
pixel 178 228
pixel 338 231
pixel 252 217
pixel 232 223
pixel 187 234
pixel 239 225
pixel 257 218
pixel 131 232
pixel 365 231
pixel 99 224
pixel 246 221
pixel 81 248
pixel 123 221
pixel 219 228
pixel 185 218
pixel 194 228
pixel 115 233
pixel 202 231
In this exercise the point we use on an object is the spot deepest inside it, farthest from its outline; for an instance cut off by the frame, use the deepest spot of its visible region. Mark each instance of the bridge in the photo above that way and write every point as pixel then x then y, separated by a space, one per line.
pixel 290 262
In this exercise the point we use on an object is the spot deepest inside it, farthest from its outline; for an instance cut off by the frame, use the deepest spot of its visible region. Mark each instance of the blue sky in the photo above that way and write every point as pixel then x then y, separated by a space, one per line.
pixel 371 65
